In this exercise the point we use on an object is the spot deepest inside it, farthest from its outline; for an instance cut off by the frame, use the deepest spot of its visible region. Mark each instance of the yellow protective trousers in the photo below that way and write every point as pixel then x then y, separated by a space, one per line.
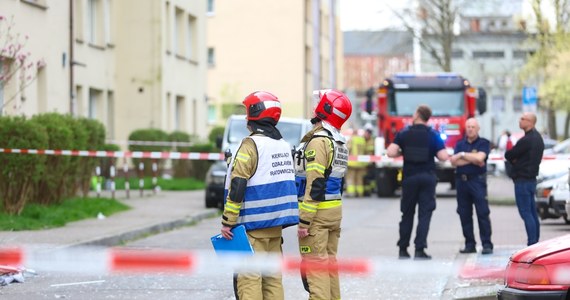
pixel 257 286
pixel 318 253
pixel 355 181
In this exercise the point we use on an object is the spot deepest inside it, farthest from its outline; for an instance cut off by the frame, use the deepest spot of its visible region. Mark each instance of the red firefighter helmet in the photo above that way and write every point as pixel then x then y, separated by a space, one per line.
pixel 260 105
pixel 332 106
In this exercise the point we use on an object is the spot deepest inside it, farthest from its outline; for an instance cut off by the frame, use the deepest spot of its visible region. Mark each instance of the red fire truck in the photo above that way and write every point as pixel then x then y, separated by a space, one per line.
pixel 452 100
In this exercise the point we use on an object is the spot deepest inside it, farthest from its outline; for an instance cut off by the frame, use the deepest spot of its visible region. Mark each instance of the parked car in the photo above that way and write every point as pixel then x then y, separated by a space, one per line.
pixel 540 271
pixel 292 130
pixel 558 148
pixel 551 194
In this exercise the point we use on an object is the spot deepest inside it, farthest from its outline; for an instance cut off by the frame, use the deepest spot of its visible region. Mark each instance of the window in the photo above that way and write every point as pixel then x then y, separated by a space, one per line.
pixel 168 20
pixel 108 17
pixel 498 103
pixel 110 115
pixel 94 104
pixel 211 57
pixel 211 7
pixel 457 54
pixel 488 54
pixel 192 38
pixel 211 114
pixel 94 20
pixel 179 113
pixel 520 54
pixel 179 36
pixel 78 29
pixel 41 89
pixel 517 104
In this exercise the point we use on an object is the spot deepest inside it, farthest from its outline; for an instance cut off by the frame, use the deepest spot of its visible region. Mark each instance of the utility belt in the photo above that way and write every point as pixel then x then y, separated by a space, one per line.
pixel 467 177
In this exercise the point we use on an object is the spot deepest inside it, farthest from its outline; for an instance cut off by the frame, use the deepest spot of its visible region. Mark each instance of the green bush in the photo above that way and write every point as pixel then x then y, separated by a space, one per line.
pixel 180 167
pixel 216 132
pixel 75 171
pixel 95 141
pixel 20 173
pixel 52 187
pixel 153 135
pixel 199 168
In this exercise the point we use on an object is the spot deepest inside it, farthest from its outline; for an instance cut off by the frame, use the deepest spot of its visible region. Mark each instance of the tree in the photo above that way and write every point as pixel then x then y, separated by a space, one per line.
pixel 17 71
pixel 432 26
pixel 549 66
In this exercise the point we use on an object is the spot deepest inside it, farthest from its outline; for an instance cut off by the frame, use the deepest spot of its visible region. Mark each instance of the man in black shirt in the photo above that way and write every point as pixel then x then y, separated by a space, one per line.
pixel 525 157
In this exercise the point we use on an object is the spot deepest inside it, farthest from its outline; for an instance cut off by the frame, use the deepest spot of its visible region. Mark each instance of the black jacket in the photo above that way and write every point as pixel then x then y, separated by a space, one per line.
pixel 526 155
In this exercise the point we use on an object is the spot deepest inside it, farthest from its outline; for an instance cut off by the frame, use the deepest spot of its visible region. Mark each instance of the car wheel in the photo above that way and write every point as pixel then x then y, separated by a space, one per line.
pixel 566 220
pixel 211 202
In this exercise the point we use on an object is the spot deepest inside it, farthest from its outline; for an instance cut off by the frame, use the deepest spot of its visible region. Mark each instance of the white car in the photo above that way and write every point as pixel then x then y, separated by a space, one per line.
pixel 551 197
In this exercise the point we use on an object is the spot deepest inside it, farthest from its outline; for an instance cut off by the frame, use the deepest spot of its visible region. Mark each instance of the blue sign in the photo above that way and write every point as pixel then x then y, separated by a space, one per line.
pixel 529 96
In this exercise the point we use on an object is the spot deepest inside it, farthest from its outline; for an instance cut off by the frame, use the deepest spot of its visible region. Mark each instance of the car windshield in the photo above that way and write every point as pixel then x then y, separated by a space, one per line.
pixel 291 132
pixel 442 103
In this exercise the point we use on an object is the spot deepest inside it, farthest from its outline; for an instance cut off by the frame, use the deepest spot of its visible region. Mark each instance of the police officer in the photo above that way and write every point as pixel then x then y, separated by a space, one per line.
pixel 261 193
pixel 419 144
pixel 321 167
pixel 470 158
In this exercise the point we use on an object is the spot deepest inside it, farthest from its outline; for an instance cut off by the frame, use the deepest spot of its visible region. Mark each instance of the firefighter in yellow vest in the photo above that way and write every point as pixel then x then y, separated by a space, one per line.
pixel 261 193
pixel 370 176
pixel 356 169
pixel 321 165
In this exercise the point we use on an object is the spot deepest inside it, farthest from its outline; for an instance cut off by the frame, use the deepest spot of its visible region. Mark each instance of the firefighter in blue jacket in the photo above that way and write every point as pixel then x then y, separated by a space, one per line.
pixel 261 193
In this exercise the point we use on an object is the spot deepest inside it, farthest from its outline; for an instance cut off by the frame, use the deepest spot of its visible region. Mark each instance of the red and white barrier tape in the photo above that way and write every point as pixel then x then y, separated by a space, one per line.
pixel 132 154
pixel 123 261
pixel 208 155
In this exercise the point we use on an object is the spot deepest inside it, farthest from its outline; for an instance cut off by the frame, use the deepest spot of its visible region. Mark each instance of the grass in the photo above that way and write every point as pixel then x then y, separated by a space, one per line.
pixel 36 217
pixel 174 184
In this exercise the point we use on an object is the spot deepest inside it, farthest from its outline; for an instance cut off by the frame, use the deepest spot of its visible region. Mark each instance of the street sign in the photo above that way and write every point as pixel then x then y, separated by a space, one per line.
pixel 529 99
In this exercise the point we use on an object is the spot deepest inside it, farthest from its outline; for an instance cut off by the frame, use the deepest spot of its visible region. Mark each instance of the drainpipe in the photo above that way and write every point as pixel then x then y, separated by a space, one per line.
pixel 71 59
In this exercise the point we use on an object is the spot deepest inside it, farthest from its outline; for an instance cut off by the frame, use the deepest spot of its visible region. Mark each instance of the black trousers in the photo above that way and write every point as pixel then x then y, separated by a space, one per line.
pixel 417 190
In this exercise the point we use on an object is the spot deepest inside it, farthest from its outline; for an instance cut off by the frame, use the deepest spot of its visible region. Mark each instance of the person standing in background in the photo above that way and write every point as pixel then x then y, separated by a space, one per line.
pixel 470 158
pixel 419 144
pixel 525 158
pixel 356 169
pixel 370 173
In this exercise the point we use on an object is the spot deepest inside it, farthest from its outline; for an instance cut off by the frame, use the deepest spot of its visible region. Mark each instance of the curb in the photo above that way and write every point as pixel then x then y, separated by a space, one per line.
pixel 121 238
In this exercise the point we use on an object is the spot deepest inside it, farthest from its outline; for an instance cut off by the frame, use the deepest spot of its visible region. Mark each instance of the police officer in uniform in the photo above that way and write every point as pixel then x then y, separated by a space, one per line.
pixel 321 166
pixel 470 158
pixel 261 193
pixel 419 144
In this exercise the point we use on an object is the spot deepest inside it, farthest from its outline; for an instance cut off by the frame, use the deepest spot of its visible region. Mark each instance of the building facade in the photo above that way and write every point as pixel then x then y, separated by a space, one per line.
pixel 289 48
pixel 490 50
pixel 129 64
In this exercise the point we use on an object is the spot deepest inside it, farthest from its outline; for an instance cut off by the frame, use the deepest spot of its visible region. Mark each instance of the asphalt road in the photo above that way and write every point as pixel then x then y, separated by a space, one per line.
pixel 370 230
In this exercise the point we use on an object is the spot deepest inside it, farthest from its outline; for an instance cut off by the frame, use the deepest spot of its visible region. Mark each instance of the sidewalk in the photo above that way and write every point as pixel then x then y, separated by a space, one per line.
pixel 150 214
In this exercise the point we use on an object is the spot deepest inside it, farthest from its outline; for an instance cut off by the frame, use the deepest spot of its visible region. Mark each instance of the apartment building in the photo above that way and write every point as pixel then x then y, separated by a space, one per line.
pixel 490 50
pixel 289 48
pixel 372 56
pixel 129 64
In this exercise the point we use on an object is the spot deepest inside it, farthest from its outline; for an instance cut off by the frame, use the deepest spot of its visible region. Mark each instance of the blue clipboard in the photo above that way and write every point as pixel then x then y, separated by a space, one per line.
pixel 238 244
